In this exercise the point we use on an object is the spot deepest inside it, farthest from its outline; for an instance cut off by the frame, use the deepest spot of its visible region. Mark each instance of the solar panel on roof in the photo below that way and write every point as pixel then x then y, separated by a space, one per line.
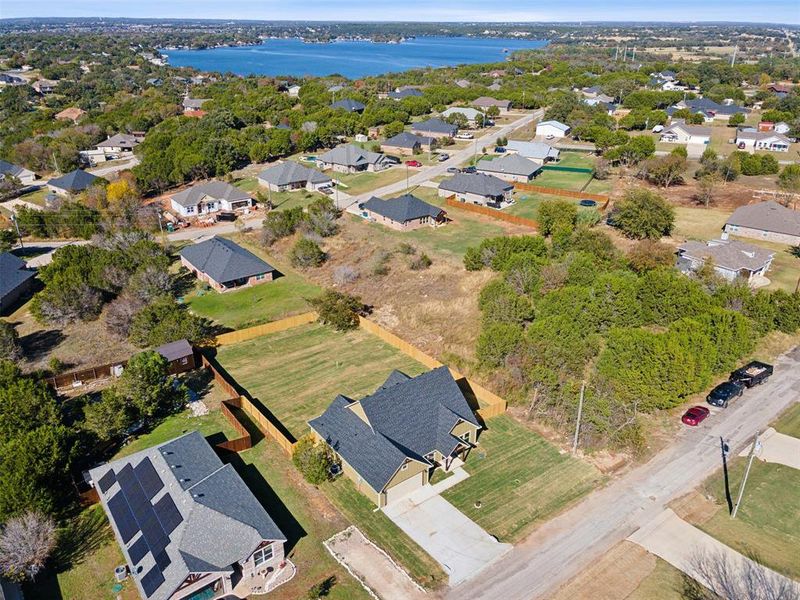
pixel 142 510
pixel 106 481
pixel 151 581
pixel 148 478
pixel 168 514
pixel 138 551
pixel 162 560
pixel 123 517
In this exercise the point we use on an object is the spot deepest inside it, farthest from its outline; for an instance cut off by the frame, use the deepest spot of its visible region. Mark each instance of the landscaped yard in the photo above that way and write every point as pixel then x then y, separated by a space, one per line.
pixel 280 200
pixel 359 183
pixel 527 204
pixel 287 295
pixel 767 525
pixel 297 373
pixel 518 479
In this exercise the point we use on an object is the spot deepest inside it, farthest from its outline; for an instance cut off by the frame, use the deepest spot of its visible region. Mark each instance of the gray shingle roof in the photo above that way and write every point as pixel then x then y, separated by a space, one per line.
pixel 707 105
pixel 7 168
pixel 728 254
pixel 470 113
pixel 224 261
pixel 437 126
pixel 509 164
pixel 476 183
pixel 75 181
pixel 759 136
pixel 122 140
pixel 194 103
pixel 13 273
pixel 487 101
pixel 557 124
pixel 690 129
pixel 534 150
pixel 405 93
pixel 221 520
pixel 408 418
pixel 350 155
pixel 291 172
pixel 218 190
pixel 349 105
pixel 403 208
pixel 408 140
pixel 175 350
pixel 767 216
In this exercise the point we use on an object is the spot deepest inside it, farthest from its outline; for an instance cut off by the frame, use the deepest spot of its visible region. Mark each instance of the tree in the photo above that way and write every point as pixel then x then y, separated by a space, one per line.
pixel 162 321
pixel 306 253
pixel 493 111
pixel 392 129
pixel 314 461
pixel 736 119
pixel 110 416
pixel 707 187
pixel 337 309
pixel 555 214
pixel 147 385
pixel 10 348
pixel 497 341
pixel 644 214
pixel 647 255
pixel 26 542
pixel 789 179
pixel 7 239
pixel 666 170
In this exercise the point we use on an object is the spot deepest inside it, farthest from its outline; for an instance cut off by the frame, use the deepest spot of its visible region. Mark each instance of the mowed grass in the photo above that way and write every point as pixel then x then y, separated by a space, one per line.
pixel 699 223
pixel 297 373
pixel 563 180
pixel 359 183
pixel 527 204
pixel 280 200
pixel 285 296
pixel 767 525
pixel 789 422
pixel 665 582
pixel 519 479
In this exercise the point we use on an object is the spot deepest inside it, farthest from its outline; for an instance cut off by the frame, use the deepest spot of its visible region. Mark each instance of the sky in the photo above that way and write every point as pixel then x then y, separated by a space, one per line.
pixel 772 11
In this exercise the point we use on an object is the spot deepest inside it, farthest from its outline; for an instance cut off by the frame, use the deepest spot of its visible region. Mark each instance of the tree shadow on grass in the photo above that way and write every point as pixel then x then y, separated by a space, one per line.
pixel 39 344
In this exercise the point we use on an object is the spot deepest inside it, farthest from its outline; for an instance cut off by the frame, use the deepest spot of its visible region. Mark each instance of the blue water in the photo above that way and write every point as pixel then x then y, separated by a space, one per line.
pixel 351 59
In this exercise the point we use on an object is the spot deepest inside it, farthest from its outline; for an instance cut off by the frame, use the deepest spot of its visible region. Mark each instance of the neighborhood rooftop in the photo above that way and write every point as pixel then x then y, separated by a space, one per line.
pixel 510 164
pixel 290 172
pixel 402 209
pixel 436 125
pixel 218 190
pixel 408 140
pixel 695 130
pixel 13 273
pixel 533 150
pixel 223 260
pixel 732 255
pixel 75 181
pixel 767 216
pixel 476 183
pixel 350 155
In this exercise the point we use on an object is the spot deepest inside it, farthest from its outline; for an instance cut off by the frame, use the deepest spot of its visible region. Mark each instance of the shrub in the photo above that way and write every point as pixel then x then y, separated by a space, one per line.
pixel 406 248
pixel 496 252
pixel 280 224
pixel 344 274
pixel 644 214
pixel 163 321
pixel 10 348
pixel 500 303
pixel 306 253
pixel 312 460
pixel 420 263
pixel 339 310
pixel 650 254
pixel 380 263
pixel 556 214
pixel 497 341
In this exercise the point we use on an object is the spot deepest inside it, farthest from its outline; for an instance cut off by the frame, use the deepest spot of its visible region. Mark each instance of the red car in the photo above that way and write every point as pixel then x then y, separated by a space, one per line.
pixel 413 163
pixel 695 415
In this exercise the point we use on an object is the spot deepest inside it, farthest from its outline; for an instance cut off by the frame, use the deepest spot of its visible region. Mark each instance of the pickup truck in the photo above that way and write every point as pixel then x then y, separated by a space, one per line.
pixel 753 373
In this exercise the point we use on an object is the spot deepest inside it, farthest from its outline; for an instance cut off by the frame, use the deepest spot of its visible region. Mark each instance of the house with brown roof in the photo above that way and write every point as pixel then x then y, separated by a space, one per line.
pixel 403 213
pixel 225 265
pixel 485 102
pixel 72 113
pixel 767 221
pixel 731 260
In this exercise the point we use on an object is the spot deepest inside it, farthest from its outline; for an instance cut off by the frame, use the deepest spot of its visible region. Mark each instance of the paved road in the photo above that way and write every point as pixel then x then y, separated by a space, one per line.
pixel 115 168
pixel 566 545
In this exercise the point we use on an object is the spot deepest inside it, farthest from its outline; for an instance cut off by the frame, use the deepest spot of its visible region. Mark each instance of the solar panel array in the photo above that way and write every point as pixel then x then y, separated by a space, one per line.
pixel 133 511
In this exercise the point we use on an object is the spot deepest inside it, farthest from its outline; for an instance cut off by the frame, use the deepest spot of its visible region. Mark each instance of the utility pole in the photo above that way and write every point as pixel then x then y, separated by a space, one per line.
pixel 578 422
pixel 733 58
pixel 616 53
pixel 16 226
pixel 753 449
pixel 633 58
pixel 406 176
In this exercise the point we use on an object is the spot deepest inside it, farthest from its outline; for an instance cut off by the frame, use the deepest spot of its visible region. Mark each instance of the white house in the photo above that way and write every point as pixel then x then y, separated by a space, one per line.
pixel 289 176
pixel 117 146
pixel 681 133
pixel 21 174
pixel 552 129
pixel 732 260
pixel 762 140
pixel 474 116
pixel 293 91
pixel 209 197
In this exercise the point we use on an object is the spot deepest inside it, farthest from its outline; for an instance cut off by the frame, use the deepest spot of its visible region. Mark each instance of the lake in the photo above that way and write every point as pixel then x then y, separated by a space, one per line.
pixel 353 59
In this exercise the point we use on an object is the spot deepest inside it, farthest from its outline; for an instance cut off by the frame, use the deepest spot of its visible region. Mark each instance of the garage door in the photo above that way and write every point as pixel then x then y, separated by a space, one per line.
pixel 399 491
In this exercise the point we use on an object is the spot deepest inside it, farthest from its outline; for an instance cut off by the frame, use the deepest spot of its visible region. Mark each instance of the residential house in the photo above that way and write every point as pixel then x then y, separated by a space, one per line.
pixel 209 197
pixel 463 83
pixel 406 144
pixel 592 92
pixel 73 182
pixel 473 116
pixel 510 167
pixel 225 265
pixel 72 113
pixel 477 188
pixel 391 442
pixel 21 174
pixel 552 129
pixel 681 133
pixel 435 128
pixel 16 280
pixel 293 91
pixel 731 260
pixel 353 106
pixel 44 87
pixel 117 146
pixel 401 93
pixel 12 80
pixel 403 213
pixel 496 86
pixel 781 90
pixel 767 221
pixel 336 88
pixel 349 158
pixel 155 81
pixel 708 108
pixel 485 102
pixel 762 140
pixel 187 524
pixel 193 107
pixel 782 127
pixel 536 151
pixel 289 175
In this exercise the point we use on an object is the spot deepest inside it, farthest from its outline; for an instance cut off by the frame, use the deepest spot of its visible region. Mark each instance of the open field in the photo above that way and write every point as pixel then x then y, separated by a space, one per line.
pixel 664 582
pixel 518 479
pixel 527 204
pixel 359 183
pixel 297 373
pixel 789 422
pixel 285 296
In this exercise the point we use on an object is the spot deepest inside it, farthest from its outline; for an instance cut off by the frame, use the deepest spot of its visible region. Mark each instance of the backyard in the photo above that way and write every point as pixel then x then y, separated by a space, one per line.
pixel 280 200
pixel 527 204
pixel 297 373
pixel 360 183
pixel 518 479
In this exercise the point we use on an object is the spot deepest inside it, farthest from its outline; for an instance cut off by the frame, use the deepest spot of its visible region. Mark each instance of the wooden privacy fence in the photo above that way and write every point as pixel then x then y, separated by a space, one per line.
pixel 266 426
pixel 527 187
pixel 244 441
pixel 242 335
pixel 69 379
pixel 491 212
pixel 568 169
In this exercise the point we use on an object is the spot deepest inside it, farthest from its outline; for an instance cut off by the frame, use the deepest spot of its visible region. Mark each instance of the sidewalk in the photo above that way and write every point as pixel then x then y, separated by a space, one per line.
pixel 777 448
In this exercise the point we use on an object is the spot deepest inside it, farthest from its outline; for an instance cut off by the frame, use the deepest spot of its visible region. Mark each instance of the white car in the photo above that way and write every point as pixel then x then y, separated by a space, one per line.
pixel 658 129
pixel 464 135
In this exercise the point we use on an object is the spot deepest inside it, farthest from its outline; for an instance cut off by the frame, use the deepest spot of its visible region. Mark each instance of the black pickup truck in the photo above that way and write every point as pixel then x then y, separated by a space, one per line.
pixel 752 374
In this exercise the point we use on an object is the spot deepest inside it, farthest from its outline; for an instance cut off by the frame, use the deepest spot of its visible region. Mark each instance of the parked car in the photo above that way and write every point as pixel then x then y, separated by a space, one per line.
pixel 753 373
pixel 549 136
pixel 724 393
pixel 658 129
pixel 453 170
pixel 741 146
pixel 443 157
pixel 328 191
pixel 499 150
pixel 392 160
pixel 587 203
pixel 226 216
pixel 413 163
pixel 695 415
pixel 464 135
pixel 469 169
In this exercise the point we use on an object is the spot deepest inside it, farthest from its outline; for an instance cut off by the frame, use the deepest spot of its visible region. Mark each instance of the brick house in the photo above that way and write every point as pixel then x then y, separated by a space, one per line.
pixel 767 221
pixel 404 213
pixel 225 265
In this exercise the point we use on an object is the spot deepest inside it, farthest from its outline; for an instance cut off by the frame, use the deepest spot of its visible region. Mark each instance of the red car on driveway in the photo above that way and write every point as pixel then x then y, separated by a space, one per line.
pixel 413 163
pixel 695 415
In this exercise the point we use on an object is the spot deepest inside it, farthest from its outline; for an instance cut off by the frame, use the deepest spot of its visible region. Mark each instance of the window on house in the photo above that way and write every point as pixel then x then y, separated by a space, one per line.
pixel 184 361
pixel 465 436
pixel 404 467
pixel 190 209
pixel 260 277
pixel 262 555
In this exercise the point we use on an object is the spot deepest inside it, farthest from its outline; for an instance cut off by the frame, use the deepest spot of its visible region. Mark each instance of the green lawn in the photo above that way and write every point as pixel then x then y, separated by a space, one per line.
pixel 287 295
pixel 583 160
pixel 518 479
pixel 527 204
pixel 280 200
pixel 297 373
pixel 664 583
pixel 767 525
pixel 359 183
pixel 789 423
pixel 37 197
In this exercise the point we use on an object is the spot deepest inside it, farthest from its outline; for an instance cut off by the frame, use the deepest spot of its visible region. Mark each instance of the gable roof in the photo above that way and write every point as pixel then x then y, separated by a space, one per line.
pixel 470 113
pixel 707 107
pixel 289 172
pixel 436 125
pixel 405 93
pixel 728 254
pixel 408 418
pixel 223 260
pixel 689 129
pixel 487 101
pixel 509 164
pixel 557 124
pixel 349 105
pixel 194 103
pixel 72 113
pixel 175 350
pixel 74 181
pixel 767 216
pixel 122 140
pixel 195 514
pixel 12 170
pixel 218 190
pixel 350 155
pixel 760 136
pixel 534 150
pixel 13 273
pixel 403 208
pixel 408 140
pixel 480 184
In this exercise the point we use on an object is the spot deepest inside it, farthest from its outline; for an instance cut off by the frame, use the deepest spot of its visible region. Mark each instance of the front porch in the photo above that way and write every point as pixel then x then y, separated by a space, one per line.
pixel 263 582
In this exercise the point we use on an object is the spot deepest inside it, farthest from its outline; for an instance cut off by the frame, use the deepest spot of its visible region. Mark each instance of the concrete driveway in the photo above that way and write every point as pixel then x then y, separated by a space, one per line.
pixel 777 448
pixel 456 542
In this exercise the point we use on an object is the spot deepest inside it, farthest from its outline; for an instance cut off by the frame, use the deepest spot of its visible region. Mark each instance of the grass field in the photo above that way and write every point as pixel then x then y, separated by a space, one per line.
pixel 527 204
pixel 518 479
pixel 664 583
pixel 297 373
pixel 359 183
pixel 287 295
pixel 767 525
pixel 280 200
pixel 789 423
